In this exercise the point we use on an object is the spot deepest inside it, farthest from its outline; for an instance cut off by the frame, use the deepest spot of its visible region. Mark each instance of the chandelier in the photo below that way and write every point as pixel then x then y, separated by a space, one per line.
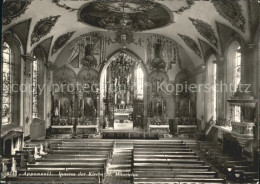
pixel 122 65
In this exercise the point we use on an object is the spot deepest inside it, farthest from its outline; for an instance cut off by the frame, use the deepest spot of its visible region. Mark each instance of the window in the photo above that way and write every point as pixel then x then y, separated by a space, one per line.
pixel 236 81
pixel 140 82
pixel 214 92
pixel 35 94
pixel 7 81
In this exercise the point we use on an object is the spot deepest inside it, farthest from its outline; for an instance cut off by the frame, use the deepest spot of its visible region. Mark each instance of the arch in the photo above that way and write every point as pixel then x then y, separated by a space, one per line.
pixel 129 52
pixel 105 65
pixel 40 53
pixel 209 53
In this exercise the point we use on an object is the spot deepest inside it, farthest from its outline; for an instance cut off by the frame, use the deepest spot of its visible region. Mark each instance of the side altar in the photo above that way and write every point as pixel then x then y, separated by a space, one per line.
pixel 74 111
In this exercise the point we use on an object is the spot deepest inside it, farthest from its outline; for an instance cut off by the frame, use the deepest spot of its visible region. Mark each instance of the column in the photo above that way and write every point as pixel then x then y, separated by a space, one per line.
pixel 27 94
pixel 49 82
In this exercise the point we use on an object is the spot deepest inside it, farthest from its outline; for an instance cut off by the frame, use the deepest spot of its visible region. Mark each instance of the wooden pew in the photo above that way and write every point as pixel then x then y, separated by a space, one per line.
pixel 137 152
pixel 54 179
pixel 178 173
pixel 155 167
pixel 177 180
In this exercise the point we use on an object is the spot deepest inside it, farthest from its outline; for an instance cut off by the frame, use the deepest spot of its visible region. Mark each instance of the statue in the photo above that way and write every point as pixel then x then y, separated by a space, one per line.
pixel 36 154
pixel 41 150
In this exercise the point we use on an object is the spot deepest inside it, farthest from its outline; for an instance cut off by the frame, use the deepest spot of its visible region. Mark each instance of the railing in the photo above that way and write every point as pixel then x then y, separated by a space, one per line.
pixel 209 125
pixel 223 123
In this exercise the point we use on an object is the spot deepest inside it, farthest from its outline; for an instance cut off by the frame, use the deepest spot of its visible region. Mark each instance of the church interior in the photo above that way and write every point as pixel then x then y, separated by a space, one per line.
pixel 130 91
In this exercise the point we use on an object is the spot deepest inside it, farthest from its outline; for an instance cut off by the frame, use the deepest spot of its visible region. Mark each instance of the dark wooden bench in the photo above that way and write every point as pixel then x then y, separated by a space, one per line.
pixel 153 167
pixel 169 161
pixel 177 179
pixel 53 179
pixel 179 173
pixel 187 157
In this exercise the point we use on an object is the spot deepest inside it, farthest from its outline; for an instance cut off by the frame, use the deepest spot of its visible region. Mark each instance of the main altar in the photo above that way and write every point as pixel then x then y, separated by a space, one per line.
pixel 123 118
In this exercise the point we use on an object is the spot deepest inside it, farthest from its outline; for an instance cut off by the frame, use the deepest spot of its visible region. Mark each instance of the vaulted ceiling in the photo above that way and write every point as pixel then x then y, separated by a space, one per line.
pixel 194 25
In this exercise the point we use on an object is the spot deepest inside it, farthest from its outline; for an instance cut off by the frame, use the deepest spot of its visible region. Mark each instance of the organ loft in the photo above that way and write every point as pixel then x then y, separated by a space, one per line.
pixel 130 91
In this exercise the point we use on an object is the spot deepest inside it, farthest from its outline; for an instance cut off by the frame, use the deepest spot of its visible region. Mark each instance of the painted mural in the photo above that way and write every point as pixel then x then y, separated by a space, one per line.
pixel 138 15
pixel 87 51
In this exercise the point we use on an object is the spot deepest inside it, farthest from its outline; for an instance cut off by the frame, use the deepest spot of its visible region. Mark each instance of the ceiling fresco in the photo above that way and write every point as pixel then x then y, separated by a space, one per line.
pixel 13 9
pixel 137 16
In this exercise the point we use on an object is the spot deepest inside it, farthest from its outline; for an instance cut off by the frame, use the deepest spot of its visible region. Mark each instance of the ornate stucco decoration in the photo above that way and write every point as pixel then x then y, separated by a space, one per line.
pixel 205 30
pixel 61 41
pixel 232 11
pixel 183 8
pixel 243 132
pixel 191 44
pixel 43 27
pixel 64 6
pixel 13 9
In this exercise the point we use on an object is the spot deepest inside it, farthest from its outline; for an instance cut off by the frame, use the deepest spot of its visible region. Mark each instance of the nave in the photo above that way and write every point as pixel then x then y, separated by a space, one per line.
pixel 126 161
pixel 130 91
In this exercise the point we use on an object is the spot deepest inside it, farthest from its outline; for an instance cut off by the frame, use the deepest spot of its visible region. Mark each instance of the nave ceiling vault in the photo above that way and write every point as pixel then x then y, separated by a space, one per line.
pixel 61 21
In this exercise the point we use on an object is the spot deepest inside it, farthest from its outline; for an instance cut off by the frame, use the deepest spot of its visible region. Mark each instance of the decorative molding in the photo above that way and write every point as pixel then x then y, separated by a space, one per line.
pixel 28 58
pixel 219 60
pixel 182 9
pixel 61 41
pixel 192 44
pixel 232 11
pixel 64 6
pixel 42 28
pixel 205 30
pixel 13 9
pixel 243 132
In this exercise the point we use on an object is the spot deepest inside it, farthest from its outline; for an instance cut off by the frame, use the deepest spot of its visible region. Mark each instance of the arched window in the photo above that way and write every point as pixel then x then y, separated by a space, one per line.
pixel 236 81
pixel 35 95
pixel 212 93
pixel 7 81
pixel 140 82
pixel 233 78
